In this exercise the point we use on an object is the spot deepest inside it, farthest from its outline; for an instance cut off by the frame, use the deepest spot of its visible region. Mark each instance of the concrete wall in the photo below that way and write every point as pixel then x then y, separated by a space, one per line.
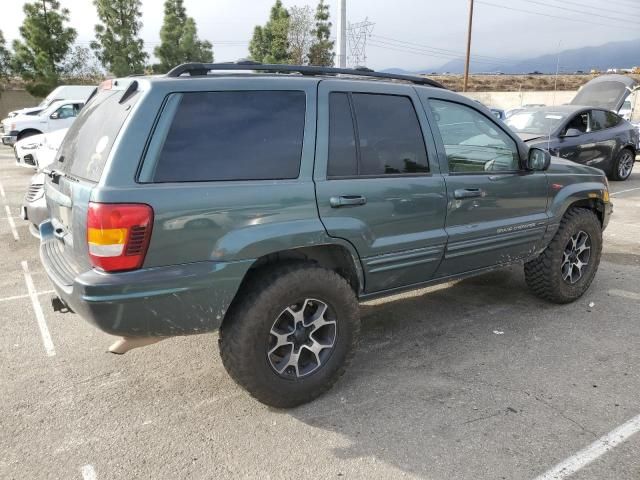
pixel 14 100
pixel 507 100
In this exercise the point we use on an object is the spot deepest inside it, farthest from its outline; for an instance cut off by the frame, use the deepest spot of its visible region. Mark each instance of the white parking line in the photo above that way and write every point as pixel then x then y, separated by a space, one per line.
pixel 37 308
pixel 88 473
pixel 18 297
pixel 625 294
pixel 12 223
pixel 2 191
pixel 598 448
pixel 623 191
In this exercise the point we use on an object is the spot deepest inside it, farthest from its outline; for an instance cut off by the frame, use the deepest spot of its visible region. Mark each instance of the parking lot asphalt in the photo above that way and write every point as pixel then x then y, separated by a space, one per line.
pixel 472 380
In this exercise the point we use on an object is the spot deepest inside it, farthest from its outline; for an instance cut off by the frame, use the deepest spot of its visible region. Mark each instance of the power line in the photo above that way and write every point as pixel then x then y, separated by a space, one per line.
pixel 416 51
pixel 593 7
pixel 443 50
pixel 573 10
pixel 632 4
pixel 545 14
pixel 447 56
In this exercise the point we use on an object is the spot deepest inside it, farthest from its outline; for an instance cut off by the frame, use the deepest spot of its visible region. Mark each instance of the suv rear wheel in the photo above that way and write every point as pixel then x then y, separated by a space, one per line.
pixel 290 338
pixel 565 270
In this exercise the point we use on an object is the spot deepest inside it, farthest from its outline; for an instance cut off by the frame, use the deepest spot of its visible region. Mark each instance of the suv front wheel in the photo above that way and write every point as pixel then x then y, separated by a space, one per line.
pixel 291 335
pixel 565 270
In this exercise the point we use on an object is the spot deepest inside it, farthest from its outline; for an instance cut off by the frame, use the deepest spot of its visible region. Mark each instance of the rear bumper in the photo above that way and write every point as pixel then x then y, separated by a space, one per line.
pixel 160 301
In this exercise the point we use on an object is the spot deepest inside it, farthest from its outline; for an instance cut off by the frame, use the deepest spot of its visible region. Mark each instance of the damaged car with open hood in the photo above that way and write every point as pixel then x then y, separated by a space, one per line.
pixel 588 130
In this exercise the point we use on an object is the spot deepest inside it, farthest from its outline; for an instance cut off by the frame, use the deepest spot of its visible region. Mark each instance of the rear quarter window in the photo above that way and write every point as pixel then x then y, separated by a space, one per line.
pixel 236 135
pixel 87 145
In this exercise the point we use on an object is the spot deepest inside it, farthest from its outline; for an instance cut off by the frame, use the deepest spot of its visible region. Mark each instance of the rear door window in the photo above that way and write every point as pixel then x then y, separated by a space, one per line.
pixel 88 142
pixel 389 135
pixel 239 135
pixel 374 135
pixel 601 120
pixel 343 156
pixel 598 120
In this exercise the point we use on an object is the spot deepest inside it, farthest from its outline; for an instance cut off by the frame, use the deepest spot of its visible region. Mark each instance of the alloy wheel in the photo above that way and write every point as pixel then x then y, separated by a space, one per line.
pixel 625 165
pixel 576 257
pixel 302 338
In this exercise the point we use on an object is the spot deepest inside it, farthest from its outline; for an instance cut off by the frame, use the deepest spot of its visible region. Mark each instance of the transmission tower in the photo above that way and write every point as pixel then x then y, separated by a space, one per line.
pixel 357 35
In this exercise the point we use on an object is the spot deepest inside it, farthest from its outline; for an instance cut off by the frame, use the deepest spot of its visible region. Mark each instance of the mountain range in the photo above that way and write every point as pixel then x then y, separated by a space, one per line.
pixel 610 55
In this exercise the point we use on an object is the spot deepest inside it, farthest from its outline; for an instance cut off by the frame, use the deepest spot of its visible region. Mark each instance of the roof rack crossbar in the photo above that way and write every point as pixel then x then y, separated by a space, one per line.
pixel 200 69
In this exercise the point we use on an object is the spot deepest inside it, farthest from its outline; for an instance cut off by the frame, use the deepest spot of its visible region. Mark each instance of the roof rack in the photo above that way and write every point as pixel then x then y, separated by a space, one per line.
pixel 200 69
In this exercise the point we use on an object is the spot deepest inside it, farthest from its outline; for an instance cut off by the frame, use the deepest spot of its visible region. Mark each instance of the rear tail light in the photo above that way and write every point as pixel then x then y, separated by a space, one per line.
pixel 118 235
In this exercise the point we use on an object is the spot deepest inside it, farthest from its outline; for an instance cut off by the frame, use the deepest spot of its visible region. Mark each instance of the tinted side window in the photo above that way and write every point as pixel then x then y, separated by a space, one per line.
pixel 243 135
pixel 598 120
pixel 389 135
pixel 601 120
pixel 472 142
pixel 343 159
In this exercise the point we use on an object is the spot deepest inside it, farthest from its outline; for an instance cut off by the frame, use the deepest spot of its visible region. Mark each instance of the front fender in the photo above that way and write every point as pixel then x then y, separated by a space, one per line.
pixel 584 193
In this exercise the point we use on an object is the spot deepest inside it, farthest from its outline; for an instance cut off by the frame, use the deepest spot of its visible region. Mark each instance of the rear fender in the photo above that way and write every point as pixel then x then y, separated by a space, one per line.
pixel 256 241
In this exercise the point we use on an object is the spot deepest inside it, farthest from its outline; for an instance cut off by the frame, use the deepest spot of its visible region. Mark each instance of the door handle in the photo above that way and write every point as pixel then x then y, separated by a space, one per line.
pixel 468 193
pixel 347 200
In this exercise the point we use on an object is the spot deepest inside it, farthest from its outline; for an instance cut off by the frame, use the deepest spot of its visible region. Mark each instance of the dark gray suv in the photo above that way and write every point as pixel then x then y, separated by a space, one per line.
pixel 267 203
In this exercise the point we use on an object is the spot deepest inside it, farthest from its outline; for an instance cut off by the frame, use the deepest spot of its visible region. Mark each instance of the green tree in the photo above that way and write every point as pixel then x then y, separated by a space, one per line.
pixel 321 50
pixel 117 45
pixel 5 57
pixel 40 55
pixel 270 44
pixel 179 39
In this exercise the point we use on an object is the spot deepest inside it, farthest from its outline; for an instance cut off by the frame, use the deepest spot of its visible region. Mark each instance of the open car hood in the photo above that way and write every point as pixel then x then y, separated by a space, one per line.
pixel 605 91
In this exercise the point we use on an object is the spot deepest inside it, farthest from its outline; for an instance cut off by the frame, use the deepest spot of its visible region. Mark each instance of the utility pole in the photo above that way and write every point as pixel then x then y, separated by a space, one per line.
pixel 342 33
pixel 466 65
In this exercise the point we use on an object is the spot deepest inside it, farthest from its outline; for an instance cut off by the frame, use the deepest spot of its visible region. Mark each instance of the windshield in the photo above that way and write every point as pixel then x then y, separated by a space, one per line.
pixel 539 122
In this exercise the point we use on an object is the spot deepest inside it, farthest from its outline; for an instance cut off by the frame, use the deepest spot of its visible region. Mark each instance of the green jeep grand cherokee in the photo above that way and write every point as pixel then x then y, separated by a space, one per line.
pixel 266 204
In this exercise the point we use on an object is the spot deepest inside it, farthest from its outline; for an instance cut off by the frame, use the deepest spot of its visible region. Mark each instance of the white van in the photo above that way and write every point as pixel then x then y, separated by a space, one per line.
pixel 63 92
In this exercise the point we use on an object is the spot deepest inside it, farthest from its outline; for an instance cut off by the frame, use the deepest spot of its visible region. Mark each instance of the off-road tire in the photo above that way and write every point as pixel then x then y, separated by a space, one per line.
pixel 625 155
pixel 246 330
pixel 544 274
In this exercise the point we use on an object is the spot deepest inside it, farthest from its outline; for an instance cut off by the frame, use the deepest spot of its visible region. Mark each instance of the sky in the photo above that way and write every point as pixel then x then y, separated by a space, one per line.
pixel 406 34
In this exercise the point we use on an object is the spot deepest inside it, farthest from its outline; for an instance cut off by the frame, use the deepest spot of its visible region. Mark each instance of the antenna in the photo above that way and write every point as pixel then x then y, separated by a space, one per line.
pixel 358 33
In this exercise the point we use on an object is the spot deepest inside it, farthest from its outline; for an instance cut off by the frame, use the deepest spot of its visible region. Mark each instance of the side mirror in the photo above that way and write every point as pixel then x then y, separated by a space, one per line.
pixel 572 132
pixel 538 160
pixel 55 115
